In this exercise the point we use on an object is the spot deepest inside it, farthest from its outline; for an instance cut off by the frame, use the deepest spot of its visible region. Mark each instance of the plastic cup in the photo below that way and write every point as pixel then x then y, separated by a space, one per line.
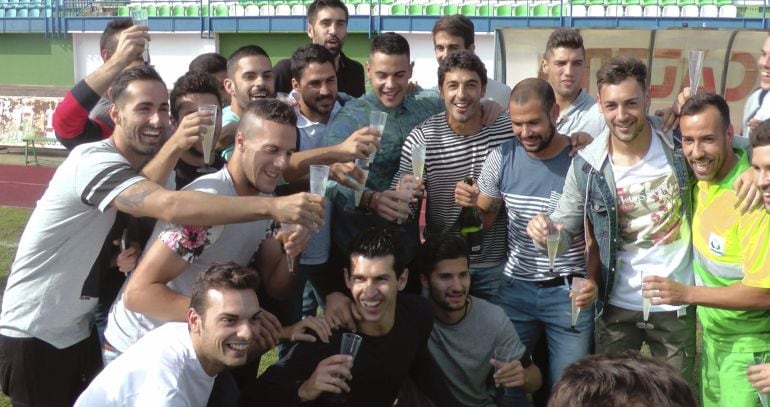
pixel 319 174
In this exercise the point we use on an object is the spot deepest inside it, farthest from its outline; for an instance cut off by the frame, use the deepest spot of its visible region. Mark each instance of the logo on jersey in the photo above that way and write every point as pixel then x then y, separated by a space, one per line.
pixel 716 244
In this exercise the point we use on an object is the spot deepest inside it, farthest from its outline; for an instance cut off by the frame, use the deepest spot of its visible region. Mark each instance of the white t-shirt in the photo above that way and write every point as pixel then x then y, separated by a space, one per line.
pixel 161 369
pixel 199 246
pixel 655 236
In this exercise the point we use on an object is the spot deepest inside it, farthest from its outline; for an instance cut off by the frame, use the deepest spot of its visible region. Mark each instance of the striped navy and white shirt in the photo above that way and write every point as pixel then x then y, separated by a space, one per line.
pixel 449 158
pixel 529 186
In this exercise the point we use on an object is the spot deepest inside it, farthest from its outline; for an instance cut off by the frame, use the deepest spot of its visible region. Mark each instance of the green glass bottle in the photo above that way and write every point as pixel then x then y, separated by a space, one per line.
pixel 471 225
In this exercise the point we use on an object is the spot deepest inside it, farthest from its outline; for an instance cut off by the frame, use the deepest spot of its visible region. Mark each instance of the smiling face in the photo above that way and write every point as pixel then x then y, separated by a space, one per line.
pixel 760 160
pixel 329 29
pixel 141 116
pixel 224 335
pixel 532 125
pixel 624 106
pixel 707 145
pixel 763 64
pixel 445 44
pixel 265 153
pixel 253 79
pixel 462 92
pixel 318 90
pixel 389 76
pixel 448 285
pixel 564 68
pixel 189 104
pixel 374 286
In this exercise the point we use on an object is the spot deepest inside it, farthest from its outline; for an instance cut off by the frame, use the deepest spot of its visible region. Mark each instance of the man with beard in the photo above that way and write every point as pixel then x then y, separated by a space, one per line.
pixel 46 314
pixel 632 185
pixel 456 146
pixel 394 328
pixel 467 358
pixel 527 175
pixel 327 25
pixel 249 77
pixel 177 363
pixel 732 260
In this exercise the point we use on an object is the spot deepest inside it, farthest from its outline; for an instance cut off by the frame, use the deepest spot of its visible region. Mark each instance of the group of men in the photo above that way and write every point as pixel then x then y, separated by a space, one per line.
pixel 640 213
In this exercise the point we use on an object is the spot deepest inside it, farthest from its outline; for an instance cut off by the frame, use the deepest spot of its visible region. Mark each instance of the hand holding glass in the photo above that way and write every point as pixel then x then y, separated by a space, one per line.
pixel 646 305
pixel 552 243
pixel 578 283
pixel 139 17
pixel 208 137
pixel 377 121
pixel 759 360
pixel 348 346
pixel 363 165
pixel 406 186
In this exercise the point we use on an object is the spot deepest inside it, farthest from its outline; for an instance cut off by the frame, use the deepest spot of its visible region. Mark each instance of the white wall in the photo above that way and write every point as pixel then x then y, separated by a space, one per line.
pixel 170 53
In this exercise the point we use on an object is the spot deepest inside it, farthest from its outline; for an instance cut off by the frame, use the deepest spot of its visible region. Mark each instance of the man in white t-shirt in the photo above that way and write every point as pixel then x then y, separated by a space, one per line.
pixel 757 107
pixel 175 365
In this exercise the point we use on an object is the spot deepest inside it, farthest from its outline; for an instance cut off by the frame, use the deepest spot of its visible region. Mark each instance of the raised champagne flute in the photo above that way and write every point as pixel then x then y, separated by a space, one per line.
pixel 552 243
pixel 418 160
pixel 646 305
pixel 140 17
pixel 695 65
pixel 578 283
pixel 377 120
pixel 208 138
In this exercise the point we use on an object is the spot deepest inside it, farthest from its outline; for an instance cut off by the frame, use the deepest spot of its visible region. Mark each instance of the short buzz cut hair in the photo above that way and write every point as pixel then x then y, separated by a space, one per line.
pixel 108 40
pixel 534 88
pixel 137 73
pixel 221 276
pixel 461 60
pixel 700 101
pixel 318 5
pixel 306 55
pixel 438 248
pixel 564 38
pixel 760 135
pixel 390 43
pixel 210 62
pixel 457 25
pixel 191 83
pixel 272 110
pixel 373 243
pixel 620 380
pixel 243 52
pixel 620 68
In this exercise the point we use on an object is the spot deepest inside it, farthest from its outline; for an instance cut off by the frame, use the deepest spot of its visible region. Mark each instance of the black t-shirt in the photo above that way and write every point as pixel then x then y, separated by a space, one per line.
pixel 379 371
pixel 350 76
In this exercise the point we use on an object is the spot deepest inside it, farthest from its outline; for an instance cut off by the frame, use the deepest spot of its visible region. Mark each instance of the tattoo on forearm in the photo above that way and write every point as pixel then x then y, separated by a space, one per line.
pixel 133 197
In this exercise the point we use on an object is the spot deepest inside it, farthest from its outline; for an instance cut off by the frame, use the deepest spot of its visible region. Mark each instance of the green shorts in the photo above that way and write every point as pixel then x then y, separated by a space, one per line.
pixel 724 380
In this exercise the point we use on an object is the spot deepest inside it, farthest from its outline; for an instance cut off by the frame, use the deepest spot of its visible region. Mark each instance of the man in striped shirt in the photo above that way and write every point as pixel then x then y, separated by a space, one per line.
pixel 527 175
pixel 456 143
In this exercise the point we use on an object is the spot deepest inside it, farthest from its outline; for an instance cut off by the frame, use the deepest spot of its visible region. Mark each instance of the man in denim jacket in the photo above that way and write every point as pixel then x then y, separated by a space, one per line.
pixel 633 186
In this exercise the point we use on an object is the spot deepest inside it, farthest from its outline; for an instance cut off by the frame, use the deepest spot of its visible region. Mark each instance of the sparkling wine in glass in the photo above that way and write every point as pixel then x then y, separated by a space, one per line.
pixel 208 137
pixel 418 160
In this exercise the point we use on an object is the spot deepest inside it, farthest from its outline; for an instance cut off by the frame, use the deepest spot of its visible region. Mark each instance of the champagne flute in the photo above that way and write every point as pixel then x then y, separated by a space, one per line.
pixel 208 137
pixel 578 283
pixel 418 160
pixel 552 243
pixel 377 121
pixel 695 62
pixel 363 165
pixel 139 17
pixel 349 346
pixel 646 305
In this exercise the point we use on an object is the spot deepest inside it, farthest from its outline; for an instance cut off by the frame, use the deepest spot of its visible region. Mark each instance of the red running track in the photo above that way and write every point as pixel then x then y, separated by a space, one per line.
pixel 21 186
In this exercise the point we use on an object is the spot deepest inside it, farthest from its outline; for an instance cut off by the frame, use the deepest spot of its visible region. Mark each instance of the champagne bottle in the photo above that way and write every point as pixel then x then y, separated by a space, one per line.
pixel 471 225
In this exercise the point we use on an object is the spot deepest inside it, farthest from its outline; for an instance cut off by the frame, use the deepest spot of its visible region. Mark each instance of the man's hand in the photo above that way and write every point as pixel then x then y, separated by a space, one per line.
pixel 466 195
pixel 490 111
pixel 682 97
pixel 188 132
pixel 130 46
pixel 330 376
pixel 269 331
pixel 295 242
pixel 304 209
pixel 341 311
pixel 127 259
pixel 509 374
pixel 759 376
pixel 748 194
pixel 299 331
pixel 537 228
pixel 587 295
pixel 347 174
pixel 669 118
pixel 358 145
pixel 665 291
pixel 579 140
pixel 391 205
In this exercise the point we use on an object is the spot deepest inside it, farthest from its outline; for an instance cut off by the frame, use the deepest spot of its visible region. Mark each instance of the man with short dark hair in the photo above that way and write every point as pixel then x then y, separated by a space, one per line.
pixel 83 115
pixel 249 77
pixel 216 66
pixel 176 364
pixel 47 307
pixel 760 160
pixel 456 33
pixel 621 380
pixel 327 25
pixel 732 260
pixel 394 328
pixel 468 359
